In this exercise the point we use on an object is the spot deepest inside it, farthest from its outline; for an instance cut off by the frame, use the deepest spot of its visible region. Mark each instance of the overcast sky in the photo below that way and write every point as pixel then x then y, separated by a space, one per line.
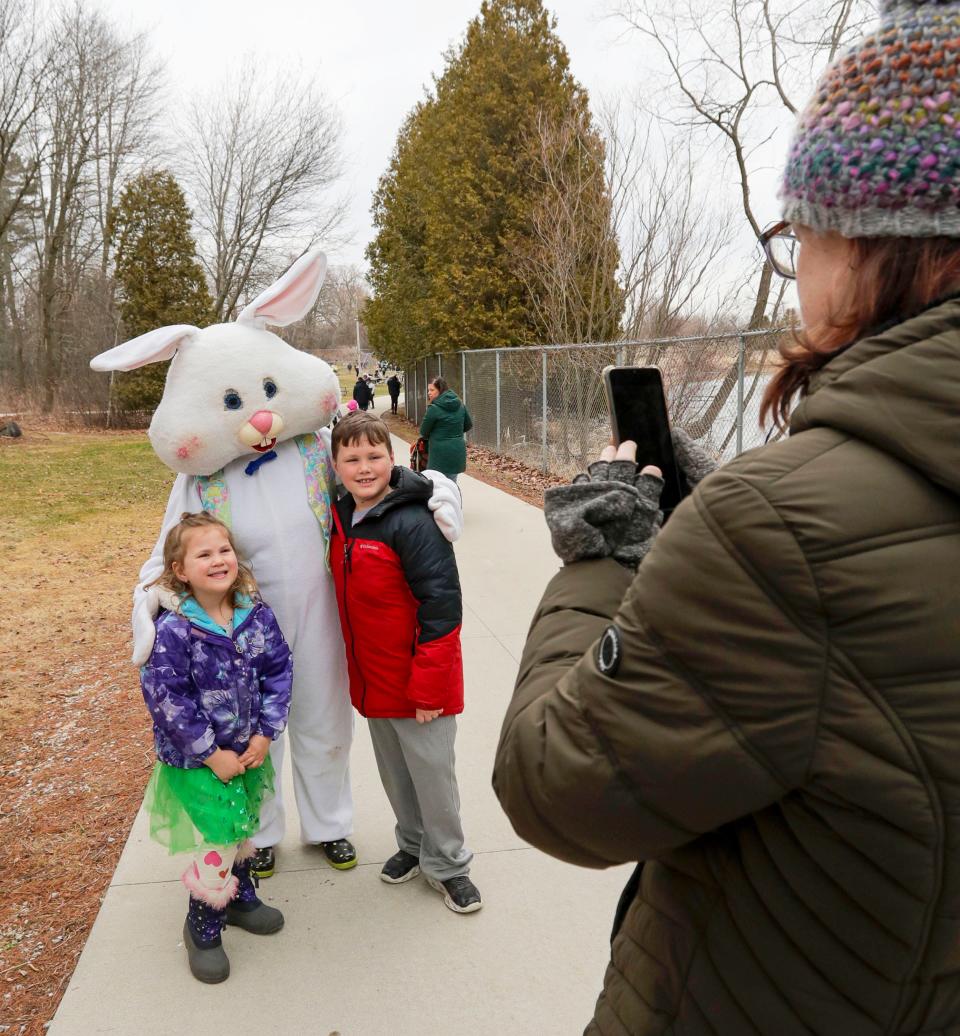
pixel 374 58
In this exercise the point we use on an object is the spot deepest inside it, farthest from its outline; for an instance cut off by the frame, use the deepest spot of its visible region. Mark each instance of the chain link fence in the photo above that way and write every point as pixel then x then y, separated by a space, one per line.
pixel 546 405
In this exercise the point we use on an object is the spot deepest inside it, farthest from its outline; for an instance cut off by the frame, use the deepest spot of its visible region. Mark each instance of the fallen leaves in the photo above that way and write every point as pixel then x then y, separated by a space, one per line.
pixel 496 469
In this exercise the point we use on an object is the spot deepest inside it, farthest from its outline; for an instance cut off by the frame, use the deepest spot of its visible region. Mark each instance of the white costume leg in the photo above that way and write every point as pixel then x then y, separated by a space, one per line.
pixel 276 530
pixel 273 819
pixel 321 725
pixel 321 732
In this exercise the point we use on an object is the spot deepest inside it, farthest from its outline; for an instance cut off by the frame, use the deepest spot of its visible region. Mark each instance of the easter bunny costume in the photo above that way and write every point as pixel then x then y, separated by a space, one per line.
pixel 242 422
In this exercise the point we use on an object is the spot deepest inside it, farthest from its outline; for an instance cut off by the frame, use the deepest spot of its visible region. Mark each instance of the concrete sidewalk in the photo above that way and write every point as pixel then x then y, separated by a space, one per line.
pixel 359 957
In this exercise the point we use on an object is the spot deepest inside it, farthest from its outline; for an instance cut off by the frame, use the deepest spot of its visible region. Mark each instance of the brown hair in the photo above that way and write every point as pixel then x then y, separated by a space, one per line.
pixel 358 426
pixel 174 549
pixel 893 278
pixel 439 384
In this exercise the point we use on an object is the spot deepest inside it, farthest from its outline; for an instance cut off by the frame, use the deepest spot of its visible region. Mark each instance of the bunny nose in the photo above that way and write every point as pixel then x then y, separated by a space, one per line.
pixel 262 420
pixel 261 431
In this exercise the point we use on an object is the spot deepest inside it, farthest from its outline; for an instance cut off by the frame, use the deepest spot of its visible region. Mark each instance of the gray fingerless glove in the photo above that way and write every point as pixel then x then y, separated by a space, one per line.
pixel 693 460
pixel 609 512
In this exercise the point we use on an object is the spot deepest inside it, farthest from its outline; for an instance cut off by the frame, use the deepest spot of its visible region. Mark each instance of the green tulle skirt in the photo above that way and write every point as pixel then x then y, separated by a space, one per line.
pixel 192 808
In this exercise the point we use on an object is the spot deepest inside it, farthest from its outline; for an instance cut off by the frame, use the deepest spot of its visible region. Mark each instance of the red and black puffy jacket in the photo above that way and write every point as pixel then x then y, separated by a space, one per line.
pixel 398 591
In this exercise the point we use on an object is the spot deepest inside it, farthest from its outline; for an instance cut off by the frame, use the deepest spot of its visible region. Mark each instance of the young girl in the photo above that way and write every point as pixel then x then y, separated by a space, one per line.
pixel 217 685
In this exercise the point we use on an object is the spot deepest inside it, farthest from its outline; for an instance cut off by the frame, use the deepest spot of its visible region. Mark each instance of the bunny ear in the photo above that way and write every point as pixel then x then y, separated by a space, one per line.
pixel 289 299
pixel 149 348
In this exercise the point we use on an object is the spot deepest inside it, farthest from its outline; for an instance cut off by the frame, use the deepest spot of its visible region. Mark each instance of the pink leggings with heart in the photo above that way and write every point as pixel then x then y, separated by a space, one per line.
pixel 210 876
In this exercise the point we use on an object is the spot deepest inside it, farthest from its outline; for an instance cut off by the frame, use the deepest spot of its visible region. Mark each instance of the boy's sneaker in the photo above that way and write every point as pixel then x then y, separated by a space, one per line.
pixel 264 862
pixel 459 894
pixel 400 867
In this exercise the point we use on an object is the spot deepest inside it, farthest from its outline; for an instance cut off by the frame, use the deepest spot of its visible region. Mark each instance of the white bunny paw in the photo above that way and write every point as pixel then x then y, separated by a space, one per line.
pixel 146 604
pixel 447 505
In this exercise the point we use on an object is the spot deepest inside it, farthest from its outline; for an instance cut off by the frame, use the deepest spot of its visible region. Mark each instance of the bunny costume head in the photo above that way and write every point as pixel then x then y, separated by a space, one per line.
pixel 236 389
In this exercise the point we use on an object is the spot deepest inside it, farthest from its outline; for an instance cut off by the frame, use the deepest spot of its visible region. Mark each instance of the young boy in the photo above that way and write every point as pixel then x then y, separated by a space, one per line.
pixel 400 610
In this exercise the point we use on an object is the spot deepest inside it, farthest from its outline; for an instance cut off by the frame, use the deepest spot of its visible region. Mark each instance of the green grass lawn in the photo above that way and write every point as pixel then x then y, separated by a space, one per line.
pixel 79 514
pixel 63 478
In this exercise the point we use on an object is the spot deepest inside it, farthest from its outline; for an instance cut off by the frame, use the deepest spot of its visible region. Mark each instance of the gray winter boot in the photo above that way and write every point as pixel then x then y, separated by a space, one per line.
pixel 247 910
pixel 201 936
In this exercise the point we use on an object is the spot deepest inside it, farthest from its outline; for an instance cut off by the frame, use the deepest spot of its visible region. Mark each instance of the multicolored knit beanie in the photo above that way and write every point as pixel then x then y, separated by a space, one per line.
pixel 877 150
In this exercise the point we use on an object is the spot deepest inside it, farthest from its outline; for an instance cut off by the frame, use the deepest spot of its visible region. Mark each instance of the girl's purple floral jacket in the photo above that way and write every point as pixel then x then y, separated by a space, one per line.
pixel 206 689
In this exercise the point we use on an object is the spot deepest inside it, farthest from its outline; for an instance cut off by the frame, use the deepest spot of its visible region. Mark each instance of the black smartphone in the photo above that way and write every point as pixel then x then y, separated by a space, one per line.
pixel 638 411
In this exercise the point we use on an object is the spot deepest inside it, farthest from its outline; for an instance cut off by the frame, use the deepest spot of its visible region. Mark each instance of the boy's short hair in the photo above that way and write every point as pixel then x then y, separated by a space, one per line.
pixel 357 426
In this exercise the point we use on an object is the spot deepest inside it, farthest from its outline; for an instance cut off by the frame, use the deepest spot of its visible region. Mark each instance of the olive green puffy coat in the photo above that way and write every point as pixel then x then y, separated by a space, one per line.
pixel 443 426
pixel 781 742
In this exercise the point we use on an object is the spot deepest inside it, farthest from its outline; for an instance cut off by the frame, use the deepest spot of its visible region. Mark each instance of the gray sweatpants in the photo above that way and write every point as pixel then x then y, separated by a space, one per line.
pixel 416 764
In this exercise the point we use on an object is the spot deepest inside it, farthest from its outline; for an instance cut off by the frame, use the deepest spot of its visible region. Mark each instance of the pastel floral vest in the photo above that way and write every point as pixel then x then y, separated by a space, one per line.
pixel 319 476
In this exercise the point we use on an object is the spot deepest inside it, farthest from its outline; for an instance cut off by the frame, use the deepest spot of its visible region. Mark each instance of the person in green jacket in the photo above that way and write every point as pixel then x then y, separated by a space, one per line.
pixel 443 426
pixel 760 700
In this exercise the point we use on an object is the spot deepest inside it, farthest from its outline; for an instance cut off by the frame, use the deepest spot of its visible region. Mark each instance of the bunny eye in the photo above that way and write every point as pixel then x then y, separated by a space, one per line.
pixel 232 400
pixel 269 388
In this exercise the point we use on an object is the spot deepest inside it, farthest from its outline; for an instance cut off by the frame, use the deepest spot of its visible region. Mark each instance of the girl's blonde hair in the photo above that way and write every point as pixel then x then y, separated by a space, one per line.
pixel 174 550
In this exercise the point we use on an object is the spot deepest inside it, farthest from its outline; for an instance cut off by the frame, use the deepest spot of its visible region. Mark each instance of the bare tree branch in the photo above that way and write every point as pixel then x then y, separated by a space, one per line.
pixel 729 68
pixel 125 134
pixel 85 62
pixel 266 155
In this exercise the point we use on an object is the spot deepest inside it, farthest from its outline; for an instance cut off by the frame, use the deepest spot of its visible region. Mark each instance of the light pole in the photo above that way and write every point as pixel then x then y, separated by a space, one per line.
pixel 358 343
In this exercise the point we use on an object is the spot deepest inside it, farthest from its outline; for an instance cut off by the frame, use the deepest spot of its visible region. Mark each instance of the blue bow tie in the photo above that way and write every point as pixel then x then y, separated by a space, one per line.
pixel 254 465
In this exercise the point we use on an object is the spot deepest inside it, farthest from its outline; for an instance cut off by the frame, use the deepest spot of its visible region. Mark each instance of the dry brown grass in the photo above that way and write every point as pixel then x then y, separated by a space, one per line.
pixel 78 514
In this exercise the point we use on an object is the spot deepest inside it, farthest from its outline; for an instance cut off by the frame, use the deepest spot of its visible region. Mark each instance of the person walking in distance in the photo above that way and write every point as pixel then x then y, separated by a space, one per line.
pixel 393 387
pixel 362 393
pixel 443 426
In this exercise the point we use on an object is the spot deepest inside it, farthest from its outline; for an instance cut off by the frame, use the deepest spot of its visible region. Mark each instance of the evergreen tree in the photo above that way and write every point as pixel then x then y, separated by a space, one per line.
pixel 159 276
pixel 456 206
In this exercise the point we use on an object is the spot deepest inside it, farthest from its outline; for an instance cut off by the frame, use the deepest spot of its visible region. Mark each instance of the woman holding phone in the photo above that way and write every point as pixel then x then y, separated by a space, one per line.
pixel 766 710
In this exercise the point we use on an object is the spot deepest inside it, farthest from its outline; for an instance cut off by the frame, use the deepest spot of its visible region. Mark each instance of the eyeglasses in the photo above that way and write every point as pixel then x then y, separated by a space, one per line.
pixel 780 245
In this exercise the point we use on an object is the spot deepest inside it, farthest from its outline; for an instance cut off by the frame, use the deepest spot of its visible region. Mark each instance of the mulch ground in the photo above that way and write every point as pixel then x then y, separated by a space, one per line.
pixel 69 790
pixel 75 742
pixel 512 476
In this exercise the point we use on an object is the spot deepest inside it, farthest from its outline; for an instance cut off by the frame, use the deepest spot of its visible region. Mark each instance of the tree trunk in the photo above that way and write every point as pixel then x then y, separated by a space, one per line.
pixel 14 330
pixel 49 338
pixel 763 298
pixel 758 373
pixel 699 428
